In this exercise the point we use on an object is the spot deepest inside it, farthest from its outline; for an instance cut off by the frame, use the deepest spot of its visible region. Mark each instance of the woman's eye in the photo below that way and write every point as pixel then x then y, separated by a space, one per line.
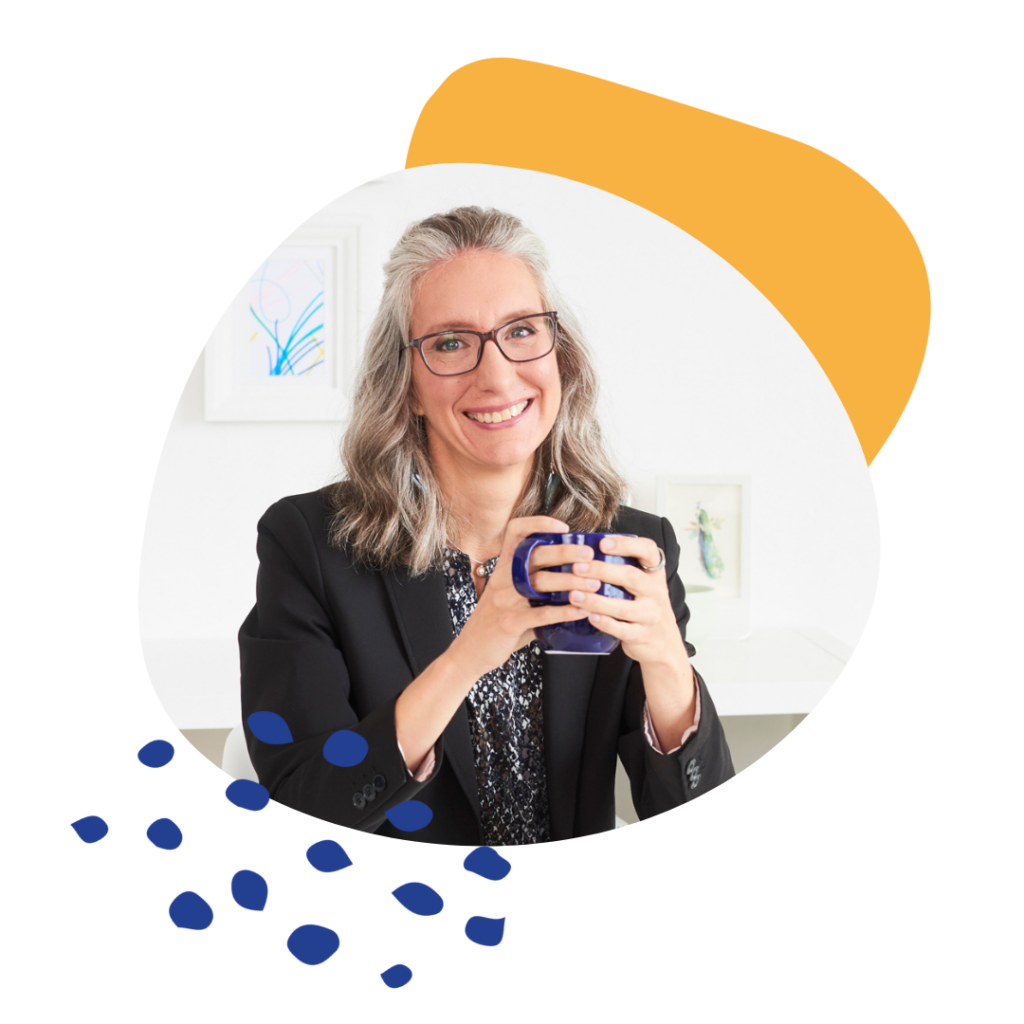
pixel 447 343
pixel 521 331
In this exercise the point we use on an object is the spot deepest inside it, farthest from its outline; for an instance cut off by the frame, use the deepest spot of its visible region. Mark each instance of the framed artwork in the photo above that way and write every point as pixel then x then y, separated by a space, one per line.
pixel 711 518
pixel 286 346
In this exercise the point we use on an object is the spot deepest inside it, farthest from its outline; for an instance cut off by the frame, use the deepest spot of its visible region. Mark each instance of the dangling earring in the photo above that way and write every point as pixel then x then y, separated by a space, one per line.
pixel 550 491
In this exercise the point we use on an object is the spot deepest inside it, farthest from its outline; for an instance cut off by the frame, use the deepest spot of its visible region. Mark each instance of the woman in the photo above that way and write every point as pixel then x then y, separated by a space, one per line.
pixel 385 605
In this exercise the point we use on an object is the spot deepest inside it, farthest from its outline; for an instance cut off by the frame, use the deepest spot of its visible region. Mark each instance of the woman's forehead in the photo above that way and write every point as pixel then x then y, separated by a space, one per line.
pixel 476 290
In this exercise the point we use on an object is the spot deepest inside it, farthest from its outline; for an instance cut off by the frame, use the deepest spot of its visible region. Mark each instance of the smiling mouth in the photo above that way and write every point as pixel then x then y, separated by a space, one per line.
pixel 500 415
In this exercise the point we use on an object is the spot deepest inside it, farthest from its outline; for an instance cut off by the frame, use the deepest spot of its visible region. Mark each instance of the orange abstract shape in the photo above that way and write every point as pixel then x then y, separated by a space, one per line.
pixel 820 243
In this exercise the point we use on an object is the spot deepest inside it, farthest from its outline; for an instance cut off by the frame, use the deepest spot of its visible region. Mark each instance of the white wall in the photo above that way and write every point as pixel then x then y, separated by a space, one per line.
pixel 700 374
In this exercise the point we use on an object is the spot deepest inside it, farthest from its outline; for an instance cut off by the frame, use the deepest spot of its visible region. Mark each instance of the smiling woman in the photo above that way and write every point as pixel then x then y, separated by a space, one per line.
pixel 371 619
pixel 468 392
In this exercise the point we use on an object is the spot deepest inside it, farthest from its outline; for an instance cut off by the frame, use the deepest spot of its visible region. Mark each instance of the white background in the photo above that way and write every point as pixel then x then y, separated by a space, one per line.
pixel 865 868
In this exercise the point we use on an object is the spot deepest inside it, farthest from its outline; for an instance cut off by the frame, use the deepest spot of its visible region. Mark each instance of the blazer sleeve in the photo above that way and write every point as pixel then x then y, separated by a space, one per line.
pixel 658 781
pixel 291 664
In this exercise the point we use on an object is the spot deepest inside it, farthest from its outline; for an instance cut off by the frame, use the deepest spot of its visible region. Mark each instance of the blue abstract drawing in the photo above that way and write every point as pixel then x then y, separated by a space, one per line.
pixel 286 315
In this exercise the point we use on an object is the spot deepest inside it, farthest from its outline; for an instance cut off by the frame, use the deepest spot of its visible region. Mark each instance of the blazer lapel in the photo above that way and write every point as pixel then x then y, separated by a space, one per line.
pixel 568 681
pixel 425 626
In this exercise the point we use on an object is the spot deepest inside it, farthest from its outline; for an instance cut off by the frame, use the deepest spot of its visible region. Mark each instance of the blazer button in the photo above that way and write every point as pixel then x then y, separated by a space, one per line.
pixel 369 793
pixel 692 766
pixel 694 779
pixel 380 783
pixel 359 801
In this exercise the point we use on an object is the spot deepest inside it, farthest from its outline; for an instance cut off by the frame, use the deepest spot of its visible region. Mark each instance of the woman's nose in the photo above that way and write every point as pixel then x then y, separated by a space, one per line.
pixel 494 369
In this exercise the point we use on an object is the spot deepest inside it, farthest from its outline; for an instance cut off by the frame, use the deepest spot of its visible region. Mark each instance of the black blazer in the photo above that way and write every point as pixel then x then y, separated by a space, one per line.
pixel 331 644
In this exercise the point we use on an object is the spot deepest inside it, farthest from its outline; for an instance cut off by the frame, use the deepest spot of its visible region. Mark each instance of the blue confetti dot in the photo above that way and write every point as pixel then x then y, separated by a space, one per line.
pixel 248 794
pixel 165 834
pixel 410 816
pixel 312 944
pixel 397 976
pixel 156 754
pixel 485 931
pixel 269 727
pixel 90 829
pixel 345 748
pixel 419 898
pixel 190 910
pixel 249 890
pixel 488 863
pixel 327 855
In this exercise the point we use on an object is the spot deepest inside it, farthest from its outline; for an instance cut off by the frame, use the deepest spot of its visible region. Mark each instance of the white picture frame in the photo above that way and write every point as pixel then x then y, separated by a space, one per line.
pixel 714 549
pixel 282 352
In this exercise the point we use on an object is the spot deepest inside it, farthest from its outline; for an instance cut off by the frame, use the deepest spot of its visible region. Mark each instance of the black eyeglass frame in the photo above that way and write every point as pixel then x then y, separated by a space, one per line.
pixel 486 336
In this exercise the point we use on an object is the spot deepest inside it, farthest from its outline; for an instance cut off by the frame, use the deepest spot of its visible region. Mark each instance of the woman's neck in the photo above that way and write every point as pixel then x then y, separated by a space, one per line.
pixel 483 502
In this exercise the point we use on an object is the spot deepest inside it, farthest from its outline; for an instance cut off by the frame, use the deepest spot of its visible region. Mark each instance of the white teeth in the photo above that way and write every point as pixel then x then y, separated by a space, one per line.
pixel 498 417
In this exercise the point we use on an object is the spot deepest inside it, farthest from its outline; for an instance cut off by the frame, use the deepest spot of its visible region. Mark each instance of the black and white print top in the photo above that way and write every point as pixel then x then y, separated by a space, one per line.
pixel 507 725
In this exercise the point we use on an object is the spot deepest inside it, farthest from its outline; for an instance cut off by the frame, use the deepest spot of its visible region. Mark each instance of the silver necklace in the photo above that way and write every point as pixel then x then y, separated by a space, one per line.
pixel 479 570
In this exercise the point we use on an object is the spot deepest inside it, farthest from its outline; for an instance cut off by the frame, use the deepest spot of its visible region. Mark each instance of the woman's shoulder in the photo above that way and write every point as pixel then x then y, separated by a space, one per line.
pixel 312 511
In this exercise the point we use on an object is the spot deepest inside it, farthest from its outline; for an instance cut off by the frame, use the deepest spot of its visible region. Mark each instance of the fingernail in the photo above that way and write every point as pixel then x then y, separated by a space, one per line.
pixel 608 544
pixel 576 595
pixel 581 567
pixel 594 617
pixel 594 584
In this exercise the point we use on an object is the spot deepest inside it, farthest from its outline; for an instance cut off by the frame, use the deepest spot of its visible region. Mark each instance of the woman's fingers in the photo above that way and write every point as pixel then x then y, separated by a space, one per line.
pixel 610 607
pixel 548 614
pixel 641 548
pixel 554 582
pixel 628 577
pixel 546 555
pixel 616 627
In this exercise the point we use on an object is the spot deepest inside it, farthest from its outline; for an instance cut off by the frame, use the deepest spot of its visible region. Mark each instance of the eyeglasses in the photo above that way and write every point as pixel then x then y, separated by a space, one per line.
pixel 449 353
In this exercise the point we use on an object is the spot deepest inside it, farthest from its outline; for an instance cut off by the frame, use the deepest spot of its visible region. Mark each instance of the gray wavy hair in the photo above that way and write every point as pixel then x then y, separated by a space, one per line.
pixel 389 510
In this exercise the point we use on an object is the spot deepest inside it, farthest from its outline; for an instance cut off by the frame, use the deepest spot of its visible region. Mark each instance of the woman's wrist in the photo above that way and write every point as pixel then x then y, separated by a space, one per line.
pixel 463 665
pixel 670 687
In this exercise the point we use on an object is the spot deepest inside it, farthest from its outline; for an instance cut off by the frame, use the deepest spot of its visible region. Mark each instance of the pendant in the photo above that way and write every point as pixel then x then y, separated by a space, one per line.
pixel 481 571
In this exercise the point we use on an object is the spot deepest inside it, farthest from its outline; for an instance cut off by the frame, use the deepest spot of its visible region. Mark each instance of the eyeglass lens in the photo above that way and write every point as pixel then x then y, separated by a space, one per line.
pixel 521 340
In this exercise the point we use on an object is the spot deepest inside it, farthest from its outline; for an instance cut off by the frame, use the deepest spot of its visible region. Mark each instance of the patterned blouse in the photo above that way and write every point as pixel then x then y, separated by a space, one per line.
pixel 507 725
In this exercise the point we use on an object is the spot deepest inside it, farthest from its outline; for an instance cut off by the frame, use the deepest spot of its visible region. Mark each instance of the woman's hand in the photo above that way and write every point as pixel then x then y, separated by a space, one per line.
pixel 504 620
pixel 647 629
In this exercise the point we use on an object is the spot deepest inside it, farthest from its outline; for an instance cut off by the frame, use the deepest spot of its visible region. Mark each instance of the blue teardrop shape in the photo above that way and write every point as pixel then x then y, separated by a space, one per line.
pixel 327 855
pixel 269 727
pixel 165 834
pixel 312 944
pixel 485 931
pixel 248 794
pixel 190 910
pixel 488 863
pixel 345 748
pixel 249 890
pixel 410 816
pixel 397 976
pixel 419 898
pixel 91 829
pixel 156 754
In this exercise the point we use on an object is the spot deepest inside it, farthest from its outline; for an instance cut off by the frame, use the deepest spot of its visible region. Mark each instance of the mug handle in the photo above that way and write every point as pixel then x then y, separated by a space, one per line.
pixel 521 568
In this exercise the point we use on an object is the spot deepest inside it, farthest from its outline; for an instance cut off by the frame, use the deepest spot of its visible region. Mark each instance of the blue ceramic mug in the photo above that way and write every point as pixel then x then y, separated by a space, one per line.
pixel 579 636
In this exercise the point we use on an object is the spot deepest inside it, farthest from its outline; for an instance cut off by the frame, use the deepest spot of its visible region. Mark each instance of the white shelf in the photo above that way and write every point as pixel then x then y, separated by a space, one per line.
pixel 772 672
pixel 197 681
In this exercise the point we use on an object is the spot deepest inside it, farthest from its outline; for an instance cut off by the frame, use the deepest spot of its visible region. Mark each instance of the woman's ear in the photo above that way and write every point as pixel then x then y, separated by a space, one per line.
pixel 414 402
